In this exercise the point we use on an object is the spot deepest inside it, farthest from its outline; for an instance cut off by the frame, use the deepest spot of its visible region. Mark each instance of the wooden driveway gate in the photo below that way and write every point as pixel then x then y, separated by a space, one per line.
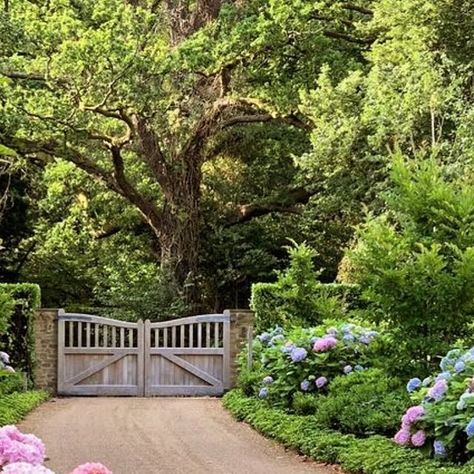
pixel 101 356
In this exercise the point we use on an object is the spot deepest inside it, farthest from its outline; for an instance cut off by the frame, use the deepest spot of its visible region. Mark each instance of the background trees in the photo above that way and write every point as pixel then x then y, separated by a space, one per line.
pixel 174 146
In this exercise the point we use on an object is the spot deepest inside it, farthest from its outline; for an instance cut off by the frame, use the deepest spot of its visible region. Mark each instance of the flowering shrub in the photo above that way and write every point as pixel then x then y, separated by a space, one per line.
pixel 306 359
pixel 5 362
pixel 442 421
pixel 24 454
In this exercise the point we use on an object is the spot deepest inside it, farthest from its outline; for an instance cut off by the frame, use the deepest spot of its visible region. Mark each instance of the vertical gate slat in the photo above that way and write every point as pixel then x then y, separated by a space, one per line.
pixel 71 333
pixel 216 334
pixel 130 337
pixel 199 335
pixel 114 336
pixel 88 334
pixel 173 336
pixel 96 335
pixel 106 336
pixel 191 335
pixel 208 334
pixel 182 330
pixel 165 337
pixel 122 337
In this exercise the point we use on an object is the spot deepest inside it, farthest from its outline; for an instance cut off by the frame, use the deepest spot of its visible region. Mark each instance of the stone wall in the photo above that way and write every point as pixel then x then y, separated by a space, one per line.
pixel 46 349
pixel 241 330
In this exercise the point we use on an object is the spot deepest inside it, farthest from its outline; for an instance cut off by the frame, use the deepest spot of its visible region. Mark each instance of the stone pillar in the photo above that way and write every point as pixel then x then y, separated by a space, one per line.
pixel 241 333
pixel 46 349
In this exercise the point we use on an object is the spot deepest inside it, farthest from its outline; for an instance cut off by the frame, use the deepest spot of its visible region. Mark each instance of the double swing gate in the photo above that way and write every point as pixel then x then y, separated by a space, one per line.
pixel 102 356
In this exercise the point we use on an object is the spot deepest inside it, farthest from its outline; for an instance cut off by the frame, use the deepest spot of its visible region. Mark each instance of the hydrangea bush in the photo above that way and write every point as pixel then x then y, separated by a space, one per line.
pixel 307 359
pixel 442 421
pixel 25 453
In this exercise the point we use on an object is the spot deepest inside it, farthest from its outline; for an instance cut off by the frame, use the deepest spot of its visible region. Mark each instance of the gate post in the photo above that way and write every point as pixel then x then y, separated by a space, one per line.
pixel 241 332
pixel 45 328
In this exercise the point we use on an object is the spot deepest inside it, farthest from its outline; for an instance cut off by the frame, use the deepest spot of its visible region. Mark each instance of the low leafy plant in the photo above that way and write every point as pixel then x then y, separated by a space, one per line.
pixel 15 406
pixel 372 455
pixel 363 403
pixel 306 359
pixel 442 421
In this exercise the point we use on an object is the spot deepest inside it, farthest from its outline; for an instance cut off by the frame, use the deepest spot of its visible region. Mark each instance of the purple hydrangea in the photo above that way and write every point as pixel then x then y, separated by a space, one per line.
pixel 414 413
pixel 298 354
pixel 365 339
pixel 439 448
pixel 267 380
pixel 418 439
pixel 347 369
pixel 402 438
pixel 288 347
pixel 470 428
pixel 438 390
pixel 264 338
pixel 324 344
pixel 305 385
pixel 413 384
pixel 263 393
pixel 320 382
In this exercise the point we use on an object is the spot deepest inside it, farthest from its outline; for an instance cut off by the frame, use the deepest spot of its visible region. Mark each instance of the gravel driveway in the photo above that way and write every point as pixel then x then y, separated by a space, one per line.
pixel 157 435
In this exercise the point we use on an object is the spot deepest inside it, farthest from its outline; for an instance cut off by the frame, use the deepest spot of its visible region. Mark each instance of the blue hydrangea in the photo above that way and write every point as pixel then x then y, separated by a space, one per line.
pixel 287 348
pixel 470 428
pixel 347 338
pixel 263 393
pixel 264 338
pixel 347 327
pixel 277 338
pixel 413 384
pixel 305 385
pixel 358 368
pixel 268 380
pixel 443 376
pixel 439 448
pixel 365 339
pixel 461 405
pixel 427 381
pixel 298 354
pixel 459 366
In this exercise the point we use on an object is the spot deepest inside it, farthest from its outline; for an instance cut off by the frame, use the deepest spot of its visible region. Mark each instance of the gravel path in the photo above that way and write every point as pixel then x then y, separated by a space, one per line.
pixel 158 435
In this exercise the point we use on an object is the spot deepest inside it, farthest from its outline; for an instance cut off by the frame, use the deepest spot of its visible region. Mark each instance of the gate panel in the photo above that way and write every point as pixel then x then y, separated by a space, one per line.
pixel 99 356
pixel 188 356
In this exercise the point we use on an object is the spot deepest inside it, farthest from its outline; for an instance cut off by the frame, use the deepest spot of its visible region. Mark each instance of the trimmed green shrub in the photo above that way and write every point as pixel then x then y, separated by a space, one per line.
pixel 363 403
pixel 373 455
pixel 297 297
pixel 6 310
pixel 18 339
pixel 11 382
pixel 15 406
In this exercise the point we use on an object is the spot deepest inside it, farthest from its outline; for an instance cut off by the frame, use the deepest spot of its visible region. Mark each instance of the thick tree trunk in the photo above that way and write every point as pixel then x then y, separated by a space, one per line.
pixel 180 227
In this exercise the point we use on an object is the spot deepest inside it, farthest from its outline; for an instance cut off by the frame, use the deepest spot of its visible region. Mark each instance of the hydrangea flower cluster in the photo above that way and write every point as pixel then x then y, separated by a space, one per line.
pixel 25 453
pixel 5 362
pixel 433 420
pixel 307 359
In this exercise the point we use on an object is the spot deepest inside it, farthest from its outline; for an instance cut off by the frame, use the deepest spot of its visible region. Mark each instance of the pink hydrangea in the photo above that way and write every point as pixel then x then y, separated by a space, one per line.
pixel 25 468
pixel 402 438
pixel 91 468
pixel 413 414
pixel 418 439
pixel 324 344
pixel 18 447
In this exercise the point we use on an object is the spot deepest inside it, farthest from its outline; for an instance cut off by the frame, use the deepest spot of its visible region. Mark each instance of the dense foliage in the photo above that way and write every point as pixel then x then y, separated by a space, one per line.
pixel 415 263
pixel 298 297
pixel 18 336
